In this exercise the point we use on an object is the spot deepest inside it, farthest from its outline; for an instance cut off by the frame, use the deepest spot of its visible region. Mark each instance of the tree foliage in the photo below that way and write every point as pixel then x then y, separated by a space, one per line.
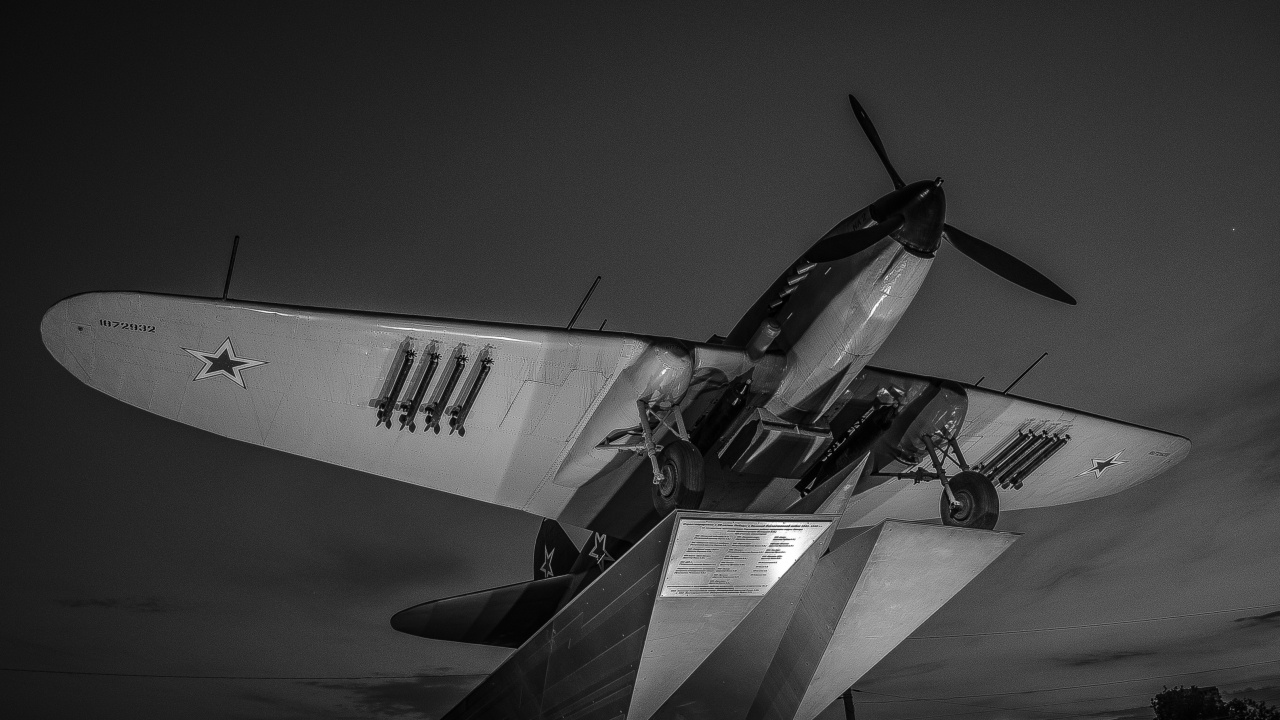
pixel 1196 703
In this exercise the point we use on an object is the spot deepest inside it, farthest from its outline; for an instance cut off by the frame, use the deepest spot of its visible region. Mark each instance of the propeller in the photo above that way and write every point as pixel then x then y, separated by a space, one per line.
pixel 842 245
pixel 1005 265
pixel 870 131
pixel 918 209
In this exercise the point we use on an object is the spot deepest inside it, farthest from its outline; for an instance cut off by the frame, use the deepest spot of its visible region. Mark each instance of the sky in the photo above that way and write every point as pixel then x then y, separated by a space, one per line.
pixel 487 162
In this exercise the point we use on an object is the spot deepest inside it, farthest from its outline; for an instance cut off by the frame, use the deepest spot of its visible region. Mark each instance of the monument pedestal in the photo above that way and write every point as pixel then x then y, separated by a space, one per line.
pixel 733 615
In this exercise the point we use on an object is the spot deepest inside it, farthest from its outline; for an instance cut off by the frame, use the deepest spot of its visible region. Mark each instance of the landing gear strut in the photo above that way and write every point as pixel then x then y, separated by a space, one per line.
pixel 680 485
pixel 976 504
pixel 969 498
pixel 677 466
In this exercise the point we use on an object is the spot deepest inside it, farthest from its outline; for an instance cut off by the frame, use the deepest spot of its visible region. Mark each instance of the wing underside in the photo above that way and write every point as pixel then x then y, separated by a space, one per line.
pixel 1038 455
pixel 482 410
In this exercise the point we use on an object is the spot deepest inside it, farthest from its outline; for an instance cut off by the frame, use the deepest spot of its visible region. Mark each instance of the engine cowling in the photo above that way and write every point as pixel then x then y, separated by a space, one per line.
pixel 937 413
pixel 831 318
pixel 664 370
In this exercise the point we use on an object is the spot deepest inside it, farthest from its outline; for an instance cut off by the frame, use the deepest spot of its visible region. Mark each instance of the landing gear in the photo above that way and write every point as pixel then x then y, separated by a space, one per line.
pixel 975 504
pixel 969 498
pixel 680 484
pixel 677 466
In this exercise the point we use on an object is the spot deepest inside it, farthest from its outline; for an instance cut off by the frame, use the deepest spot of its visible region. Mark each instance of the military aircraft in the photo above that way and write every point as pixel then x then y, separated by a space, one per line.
pixel 780 421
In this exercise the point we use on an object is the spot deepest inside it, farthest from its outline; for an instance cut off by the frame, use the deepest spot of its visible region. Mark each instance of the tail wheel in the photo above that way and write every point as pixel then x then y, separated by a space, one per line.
pixel 978 505
pixel 681 483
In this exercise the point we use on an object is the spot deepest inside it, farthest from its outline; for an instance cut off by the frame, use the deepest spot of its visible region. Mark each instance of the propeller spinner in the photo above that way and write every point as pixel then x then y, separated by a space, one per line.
pixel 915 216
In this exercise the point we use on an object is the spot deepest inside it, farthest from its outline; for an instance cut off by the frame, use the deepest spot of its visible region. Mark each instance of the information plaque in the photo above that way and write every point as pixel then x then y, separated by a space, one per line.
pixel 735 558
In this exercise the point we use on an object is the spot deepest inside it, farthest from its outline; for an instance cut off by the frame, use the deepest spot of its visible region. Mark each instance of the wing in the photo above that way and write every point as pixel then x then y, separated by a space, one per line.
pixel 482 410
pixel 1038 454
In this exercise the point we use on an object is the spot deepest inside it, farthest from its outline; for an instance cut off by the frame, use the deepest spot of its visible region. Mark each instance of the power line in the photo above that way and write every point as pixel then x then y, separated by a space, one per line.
pixel 229 677
pixel 944 701
pixel 1093 625
pixel 898 698
pixel 1034 707
pixel 1061 687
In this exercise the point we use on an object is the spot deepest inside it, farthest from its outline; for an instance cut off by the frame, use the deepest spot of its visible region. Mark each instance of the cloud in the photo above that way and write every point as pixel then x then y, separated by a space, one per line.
pixel 1271 619
pixel 1240 426
pixel 1142 712
pixel 1250 690
pixel 286 708
pixel 1101 658
pixel 423 697
pixel 904 671
pixel 1078 572
pixel 137 605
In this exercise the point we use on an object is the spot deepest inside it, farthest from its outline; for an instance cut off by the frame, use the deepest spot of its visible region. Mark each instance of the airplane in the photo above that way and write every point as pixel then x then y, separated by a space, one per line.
pixel 626 435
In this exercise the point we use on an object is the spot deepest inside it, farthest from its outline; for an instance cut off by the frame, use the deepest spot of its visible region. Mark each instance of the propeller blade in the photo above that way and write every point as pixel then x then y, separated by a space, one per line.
pixel 1005 265
pixel 865 121
pixel 842 245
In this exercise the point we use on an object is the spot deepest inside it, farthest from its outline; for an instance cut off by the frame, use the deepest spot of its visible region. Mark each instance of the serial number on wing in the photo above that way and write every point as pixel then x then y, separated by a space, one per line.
pixel 137 327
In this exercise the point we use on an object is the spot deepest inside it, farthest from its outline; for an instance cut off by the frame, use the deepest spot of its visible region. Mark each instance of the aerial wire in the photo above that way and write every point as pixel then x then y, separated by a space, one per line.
pixel 583 304
pixel 897 698
pixel 915 637
pixel 1037 706
pixel 233 677
pixel 1093 625
pixel 231 266
pixel 904 698
pixel 1024 373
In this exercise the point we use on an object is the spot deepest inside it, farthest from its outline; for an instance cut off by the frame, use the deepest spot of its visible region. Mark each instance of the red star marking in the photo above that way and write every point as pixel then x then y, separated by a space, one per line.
pixel 223 362
pixel 1100 466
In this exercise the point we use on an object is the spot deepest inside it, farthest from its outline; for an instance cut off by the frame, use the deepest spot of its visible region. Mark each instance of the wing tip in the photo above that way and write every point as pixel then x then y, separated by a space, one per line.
pixel 1182 448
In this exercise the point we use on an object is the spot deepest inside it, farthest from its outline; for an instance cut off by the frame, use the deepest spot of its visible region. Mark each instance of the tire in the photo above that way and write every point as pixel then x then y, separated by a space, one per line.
pixel 681 485
pixel 979 503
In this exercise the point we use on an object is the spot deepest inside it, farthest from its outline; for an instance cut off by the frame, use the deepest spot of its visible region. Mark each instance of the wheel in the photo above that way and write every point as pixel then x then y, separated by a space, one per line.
pixel 979 504
pixel 681 484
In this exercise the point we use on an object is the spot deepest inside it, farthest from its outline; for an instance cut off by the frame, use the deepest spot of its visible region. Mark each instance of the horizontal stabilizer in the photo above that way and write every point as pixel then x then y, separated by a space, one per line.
pixel 507 616
pixel 504 616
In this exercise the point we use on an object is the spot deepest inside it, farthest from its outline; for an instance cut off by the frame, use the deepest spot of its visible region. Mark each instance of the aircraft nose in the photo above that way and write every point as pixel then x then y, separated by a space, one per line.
pixel 925 213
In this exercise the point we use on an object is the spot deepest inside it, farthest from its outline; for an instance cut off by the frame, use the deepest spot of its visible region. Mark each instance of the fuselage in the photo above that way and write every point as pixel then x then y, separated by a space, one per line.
pixel 833 318
pixel 852 308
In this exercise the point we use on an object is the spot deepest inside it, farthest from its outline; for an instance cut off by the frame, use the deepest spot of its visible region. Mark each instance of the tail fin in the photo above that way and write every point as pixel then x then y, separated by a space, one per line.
pixel 553 552
pixel 598 553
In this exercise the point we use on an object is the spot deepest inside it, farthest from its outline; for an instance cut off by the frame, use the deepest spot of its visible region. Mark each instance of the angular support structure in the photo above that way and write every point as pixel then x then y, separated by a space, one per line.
pixel 872 590
pixel 732 615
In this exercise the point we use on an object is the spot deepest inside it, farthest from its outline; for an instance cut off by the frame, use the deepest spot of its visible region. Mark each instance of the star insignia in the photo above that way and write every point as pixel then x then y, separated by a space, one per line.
pixel 1100 466
pixel 223 362
pixel 599 552
pixel 547 554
